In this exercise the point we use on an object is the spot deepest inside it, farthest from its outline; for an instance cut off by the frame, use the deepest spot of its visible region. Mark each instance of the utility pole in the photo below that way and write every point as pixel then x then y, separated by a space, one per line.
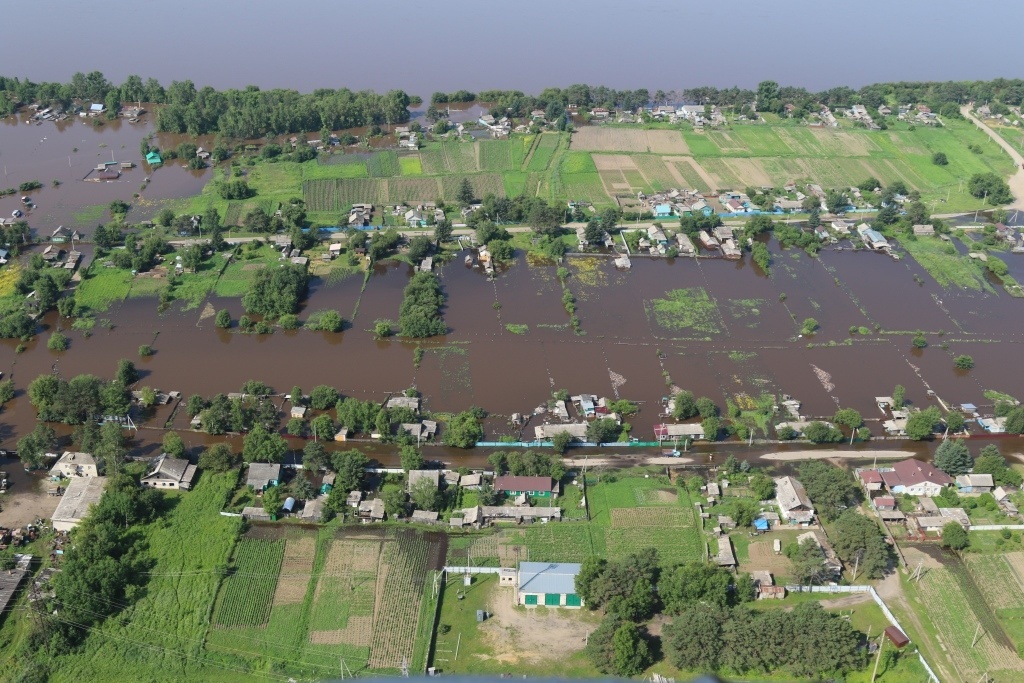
pixel 881 644
pixel 978 632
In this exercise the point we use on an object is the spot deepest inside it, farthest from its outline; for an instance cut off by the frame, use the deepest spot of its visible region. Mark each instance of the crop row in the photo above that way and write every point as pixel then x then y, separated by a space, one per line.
pixel 398 603
pixel 248 591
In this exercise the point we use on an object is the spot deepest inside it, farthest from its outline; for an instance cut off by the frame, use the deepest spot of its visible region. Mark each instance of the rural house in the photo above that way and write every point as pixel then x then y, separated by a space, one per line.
pixel 794 505
pixel 916 478
pixel 371 511
pixel 538 487
pixel 673 432
pixel 415 476
pixel 263 475
pixel 974 483
pixel 72 464
pixel 549 584
pixel 79 496
pixel 166 472
pixel 547 432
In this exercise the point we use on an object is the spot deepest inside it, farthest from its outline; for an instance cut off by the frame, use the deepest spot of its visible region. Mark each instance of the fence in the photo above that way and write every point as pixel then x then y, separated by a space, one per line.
pixel 473 570
pixel 996 527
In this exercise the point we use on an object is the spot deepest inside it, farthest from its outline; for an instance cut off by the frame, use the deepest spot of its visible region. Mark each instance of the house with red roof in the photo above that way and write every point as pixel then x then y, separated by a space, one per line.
pixel 916 478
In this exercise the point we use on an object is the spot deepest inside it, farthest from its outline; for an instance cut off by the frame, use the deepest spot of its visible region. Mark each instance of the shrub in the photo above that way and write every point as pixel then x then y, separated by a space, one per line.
pixel 57 342
pixel 223 319
pixel 145 350
pixel 963 362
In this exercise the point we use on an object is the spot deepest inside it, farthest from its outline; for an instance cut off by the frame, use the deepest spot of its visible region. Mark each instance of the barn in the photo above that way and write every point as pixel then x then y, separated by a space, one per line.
pixel 552 584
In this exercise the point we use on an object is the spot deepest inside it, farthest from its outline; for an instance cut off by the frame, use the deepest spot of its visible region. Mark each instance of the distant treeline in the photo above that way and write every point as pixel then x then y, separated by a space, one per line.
pixel 252 112
pixel 769 96
pixel 248 113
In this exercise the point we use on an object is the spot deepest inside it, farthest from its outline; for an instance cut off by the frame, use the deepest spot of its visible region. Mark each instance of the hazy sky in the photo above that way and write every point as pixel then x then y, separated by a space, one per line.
pixel 527 45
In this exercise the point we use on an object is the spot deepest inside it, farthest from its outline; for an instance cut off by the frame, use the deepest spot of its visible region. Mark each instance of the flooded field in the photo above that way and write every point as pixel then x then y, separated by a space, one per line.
pixel 718 328
pixel 67 151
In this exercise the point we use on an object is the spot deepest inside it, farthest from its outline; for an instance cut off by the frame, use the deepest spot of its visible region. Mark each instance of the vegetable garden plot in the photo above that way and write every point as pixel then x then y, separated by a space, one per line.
pixel 249 589
pixel 397 606
pixel 296 570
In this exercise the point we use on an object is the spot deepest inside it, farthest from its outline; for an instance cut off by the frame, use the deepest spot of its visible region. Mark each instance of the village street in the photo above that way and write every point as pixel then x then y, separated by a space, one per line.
pixel 1016 181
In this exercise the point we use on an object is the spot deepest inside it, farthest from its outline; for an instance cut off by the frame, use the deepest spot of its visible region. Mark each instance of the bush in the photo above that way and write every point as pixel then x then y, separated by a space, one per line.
pixel 223 319
pixel 939 159
pixel 57 342
pixel 963 362
pixel 288 321
pixel 145 350
pixel 325 321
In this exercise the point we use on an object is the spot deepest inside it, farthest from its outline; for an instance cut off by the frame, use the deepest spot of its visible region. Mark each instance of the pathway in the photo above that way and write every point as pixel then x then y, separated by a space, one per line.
pixel 1016 181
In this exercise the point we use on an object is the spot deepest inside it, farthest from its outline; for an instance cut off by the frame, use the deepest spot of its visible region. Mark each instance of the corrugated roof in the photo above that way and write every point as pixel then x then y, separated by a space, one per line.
pixel 509 483
pixel 548 577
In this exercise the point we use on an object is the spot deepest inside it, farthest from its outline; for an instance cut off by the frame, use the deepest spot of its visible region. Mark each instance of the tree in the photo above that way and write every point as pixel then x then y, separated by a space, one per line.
pixel 112 448
pixel 955 422
pixel 921 424
pixel 314 456
pixel 560 442
pixel 953 458
pixel 57 342
pixel 419 247
pixel 126 373
pixel 425 495
pixel 410 457
pixel 820 432
pixel 465 192
pixel 223 319
pixel 443 231
pixel 694 583
pixel 6 390
pixel 711 426
pixel 33 446
pixel 261 446
pixel 1015 421
pixel 631 653
pixel 173 445
pixel 604 430
pixel 836 201
pixel 684 405
pixel 809 562
pixel 858 541
pixel 693 641
pixel 706 407
pixel 963 362
pixel 761 255
pixel 762 486
pixel 848 417
pixel 273 497
pixel 991 187
pixel 898 397
pixel 323 397
pixel 600 648
pixel 831 488
pixel 939 159
pixel 809 326
pixel 351 469
pixel 217 458
pixel 954 536
pixel 463 431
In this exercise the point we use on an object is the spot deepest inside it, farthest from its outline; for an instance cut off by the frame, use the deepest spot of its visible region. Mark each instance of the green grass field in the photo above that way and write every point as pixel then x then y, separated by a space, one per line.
pixel 946 265
pixel 241 271
pixel 161 634
pixel 102 287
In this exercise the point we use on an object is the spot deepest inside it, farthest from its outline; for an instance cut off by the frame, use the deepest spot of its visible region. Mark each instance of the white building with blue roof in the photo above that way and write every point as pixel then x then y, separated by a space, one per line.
pixel 552 584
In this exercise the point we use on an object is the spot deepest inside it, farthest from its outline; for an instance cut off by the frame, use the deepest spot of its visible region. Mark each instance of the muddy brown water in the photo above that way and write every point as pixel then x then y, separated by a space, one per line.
pixel 751 346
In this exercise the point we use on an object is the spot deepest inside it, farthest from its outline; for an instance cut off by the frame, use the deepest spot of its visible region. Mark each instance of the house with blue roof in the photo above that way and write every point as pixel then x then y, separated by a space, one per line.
pixel 153 158
pixel 663 211
pixel 552 584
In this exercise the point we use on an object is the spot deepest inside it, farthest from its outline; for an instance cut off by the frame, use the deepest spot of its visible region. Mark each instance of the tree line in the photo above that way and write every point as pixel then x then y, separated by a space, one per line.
pixel 238 113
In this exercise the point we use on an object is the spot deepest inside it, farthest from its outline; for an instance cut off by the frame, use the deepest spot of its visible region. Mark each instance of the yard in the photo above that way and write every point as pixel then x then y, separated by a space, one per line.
pixel 533 641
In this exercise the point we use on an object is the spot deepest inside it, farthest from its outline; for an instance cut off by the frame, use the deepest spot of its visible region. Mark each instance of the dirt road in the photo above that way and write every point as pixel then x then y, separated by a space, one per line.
pixel 1016 181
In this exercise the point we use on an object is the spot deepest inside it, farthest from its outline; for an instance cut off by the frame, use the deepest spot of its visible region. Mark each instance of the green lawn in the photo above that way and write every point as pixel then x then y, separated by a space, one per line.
pixel 241 271
pixel 410 165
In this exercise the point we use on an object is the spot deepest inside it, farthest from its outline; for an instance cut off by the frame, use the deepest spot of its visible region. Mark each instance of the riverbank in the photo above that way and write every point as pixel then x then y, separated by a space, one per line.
pixel 835 454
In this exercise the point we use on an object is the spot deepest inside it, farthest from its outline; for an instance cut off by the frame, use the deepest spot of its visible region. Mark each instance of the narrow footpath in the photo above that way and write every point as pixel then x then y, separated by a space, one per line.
pixel 1016 181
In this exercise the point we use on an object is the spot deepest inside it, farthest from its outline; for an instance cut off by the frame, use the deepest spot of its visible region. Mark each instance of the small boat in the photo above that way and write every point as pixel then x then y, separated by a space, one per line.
pixel 469 259
pixel 17 213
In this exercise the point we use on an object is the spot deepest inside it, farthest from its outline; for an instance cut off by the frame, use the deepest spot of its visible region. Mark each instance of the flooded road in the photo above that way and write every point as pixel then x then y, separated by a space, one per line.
pixel 740 342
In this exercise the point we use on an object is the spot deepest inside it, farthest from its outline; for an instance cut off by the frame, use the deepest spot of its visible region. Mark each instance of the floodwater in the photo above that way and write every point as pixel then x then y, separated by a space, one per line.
pixel 530 46
pixel 745 344
pixel 68 151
